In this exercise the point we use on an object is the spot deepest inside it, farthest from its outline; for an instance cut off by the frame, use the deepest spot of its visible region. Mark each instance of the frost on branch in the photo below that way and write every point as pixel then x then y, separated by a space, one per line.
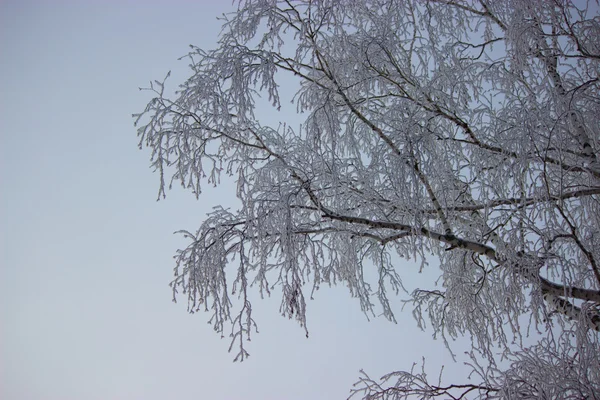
pixel 466 131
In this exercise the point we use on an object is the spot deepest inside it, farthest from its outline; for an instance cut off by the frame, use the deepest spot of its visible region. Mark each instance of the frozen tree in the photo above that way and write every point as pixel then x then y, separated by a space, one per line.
pixel 462 131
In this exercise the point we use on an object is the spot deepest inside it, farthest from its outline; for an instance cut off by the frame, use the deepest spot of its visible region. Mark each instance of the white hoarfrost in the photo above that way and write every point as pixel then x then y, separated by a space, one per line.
pixel 463 130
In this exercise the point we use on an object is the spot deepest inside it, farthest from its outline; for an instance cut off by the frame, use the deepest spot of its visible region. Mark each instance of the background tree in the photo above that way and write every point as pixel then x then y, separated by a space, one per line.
pixel 464 131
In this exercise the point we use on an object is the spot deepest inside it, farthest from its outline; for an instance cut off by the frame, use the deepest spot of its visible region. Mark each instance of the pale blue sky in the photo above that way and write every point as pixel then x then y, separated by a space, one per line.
pixel 86 251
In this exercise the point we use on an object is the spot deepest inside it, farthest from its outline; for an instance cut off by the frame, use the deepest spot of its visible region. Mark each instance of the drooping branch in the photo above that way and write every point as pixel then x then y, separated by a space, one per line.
pixel 426 134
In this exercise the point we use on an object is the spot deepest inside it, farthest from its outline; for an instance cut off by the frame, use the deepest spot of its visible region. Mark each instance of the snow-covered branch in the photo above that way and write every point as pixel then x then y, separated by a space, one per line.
pixel 457 130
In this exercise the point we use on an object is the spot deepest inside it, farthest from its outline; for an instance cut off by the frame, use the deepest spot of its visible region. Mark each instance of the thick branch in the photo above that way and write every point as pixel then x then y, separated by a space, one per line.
pixel 572 311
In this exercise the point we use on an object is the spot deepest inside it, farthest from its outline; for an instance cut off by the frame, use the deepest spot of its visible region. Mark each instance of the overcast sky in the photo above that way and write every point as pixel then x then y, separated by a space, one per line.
pixel 86 251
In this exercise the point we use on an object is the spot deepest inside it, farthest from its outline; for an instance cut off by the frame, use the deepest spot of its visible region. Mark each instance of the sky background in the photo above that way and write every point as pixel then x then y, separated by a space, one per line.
pixel 86 250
